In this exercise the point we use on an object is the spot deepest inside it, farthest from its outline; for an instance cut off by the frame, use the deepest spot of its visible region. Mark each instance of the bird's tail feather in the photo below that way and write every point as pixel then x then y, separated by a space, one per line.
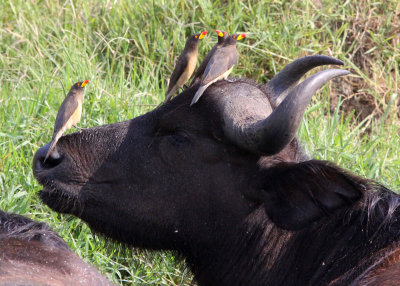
pixel 171 93
pixel 199 92
pixel 53 143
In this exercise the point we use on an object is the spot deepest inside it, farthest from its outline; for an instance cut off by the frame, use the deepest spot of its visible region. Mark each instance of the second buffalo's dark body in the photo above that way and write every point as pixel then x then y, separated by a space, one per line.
pixel 227 184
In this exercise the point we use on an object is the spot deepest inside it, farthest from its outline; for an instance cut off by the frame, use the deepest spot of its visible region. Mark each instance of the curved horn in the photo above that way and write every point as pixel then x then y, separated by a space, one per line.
pixel 270 135
pixel 282 83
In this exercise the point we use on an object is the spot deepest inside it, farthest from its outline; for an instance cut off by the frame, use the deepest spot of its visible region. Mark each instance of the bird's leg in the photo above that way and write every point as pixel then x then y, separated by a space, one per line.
pixel 184 86
pixel 79 128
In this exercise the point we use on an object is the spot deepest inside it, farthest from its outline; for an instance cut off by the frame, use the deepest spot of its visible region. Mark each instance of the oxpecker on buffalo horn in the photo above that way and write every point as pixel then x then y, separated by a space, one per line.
pixel 220 64
pixel 199 73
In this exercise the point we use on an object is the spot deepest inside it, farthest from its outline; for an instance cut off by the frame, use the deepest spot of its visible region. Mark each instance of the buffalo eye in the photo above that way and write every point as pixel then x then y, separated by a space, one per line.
pixel 178 139
pixel 173 136
pixel 173 146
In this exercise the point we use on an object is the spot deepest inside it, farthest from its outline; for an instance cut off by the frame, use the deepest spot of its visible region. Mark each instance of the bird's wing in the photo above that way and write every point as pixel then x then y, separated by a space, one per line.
pixel 222 60
pixel 67 108
pixel 180 67
pixel 203 64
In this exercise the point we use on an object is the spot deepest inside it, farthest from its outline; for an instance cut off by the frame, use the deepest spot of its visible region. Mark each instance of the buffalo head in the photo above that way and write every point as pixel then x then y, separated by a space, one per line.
pixel 197 179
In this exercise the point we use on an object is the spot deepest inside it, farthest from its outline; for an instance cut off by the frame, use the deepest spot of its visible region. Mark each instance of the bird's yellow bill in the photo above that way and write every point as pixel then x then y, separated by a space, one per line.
pixel 241 36
pixel 219 33
pixel 85 83
pixel 202 35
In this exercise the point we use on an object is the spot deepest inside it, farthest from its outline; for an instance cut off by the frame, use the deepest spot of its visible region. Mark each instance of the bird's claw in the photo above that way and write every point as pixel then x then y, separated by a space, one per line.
pixel 79 128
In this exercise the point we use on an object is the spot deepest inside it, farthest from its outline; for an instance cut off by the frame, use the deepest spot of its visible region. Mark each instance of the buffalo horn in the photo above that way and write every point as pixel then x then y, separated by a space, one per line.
pixel 282 83
pixel 270 135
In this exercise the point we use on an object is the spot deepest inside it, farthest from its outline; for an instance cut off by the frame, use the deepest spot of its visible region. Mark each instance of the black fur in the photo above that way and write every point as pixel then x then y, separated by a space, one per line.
pixel 296 194
pixel 170 179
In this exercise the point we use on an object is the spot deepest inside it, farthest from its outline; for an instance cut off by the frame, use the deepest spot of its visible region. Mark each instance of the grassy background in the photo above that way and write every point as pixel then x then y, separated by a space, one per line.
pixel 127 50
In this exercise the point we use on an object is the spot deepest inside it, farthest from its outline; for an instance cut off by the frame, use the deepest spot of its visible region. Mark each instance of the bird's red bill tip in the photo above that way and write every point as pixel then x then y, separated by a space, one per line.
pixel 241 36
pixel 85 83
pixel 219 33
pixel 202 34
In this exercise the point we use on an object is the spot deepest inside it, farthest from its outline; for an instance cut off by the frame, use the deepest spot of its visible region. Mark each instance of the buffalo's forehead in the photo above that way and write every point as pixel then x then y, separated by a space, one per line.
pixel 242 98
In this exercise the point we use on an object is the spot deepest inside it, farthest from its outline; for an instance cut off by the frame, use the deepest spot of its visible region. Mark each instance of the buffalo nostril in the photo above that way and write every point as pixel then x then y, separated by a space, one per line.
pixel 53 160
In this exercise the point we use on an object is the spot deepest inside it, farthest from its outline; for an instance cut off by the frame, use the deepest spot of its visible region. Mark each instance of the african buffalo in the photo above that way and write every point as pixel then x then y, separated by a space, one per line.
pixel 33 254
pixel 227 184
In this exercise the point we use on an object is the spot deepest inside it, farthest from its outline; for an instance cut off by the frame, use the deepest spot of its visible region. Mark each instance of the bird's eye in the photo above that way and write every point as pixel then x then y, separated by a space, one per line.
pixel 195 37
pixel 79 84
pixel 234 37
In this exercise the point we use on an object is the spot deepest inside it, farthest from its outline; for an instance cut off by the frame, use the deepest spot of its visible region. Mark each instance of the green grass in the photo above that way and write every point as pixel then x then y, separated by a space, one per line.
pixel 127 49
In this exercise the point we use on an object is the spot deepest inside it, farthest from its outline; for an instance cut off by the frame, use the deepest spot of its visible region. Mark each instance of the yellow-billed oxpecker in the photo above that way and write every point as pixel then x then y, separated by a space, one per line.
pixel 220 64
pixel 185 64
pixel 199 73
pixel 69 114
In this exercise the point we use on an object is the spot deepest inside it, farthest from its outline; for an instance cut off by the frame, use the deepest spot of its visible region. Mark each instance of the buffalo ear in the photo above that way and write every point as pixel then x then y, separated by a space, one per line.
pixel 297 194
